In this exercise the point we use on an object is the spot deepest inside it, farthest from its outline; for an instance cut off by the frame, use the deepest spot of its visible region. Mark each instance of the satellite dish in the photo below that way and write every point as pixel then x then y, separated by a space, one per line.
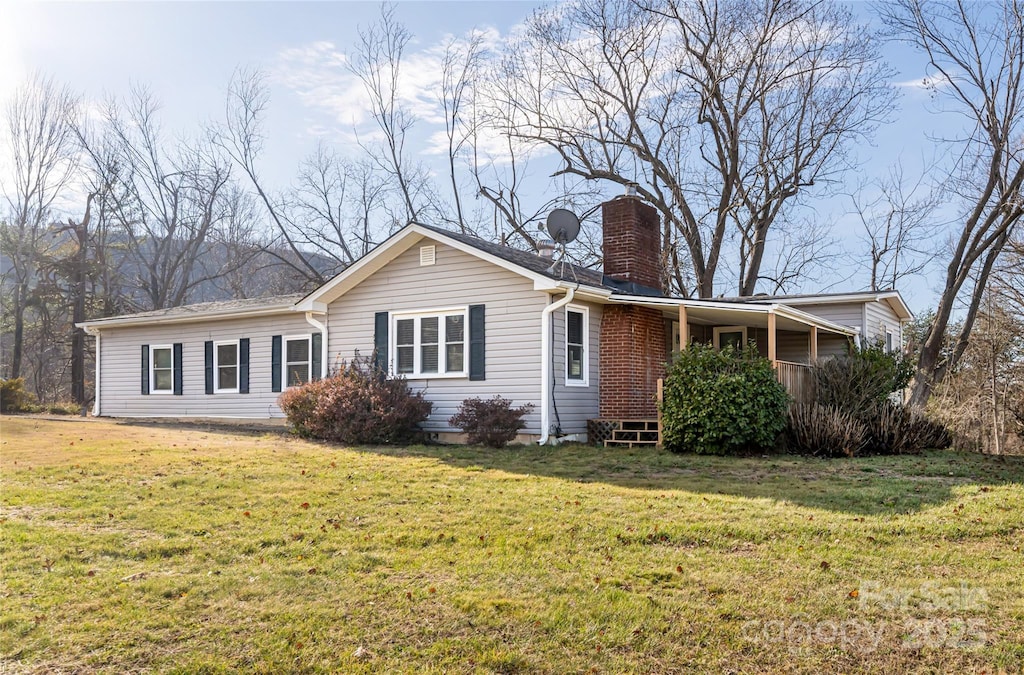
pixel 563 226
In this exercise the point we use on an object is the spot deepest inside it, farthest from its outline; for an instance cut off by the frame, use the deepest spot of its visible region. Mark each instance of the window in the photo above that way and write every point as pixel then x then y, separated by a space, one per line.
pixel 225 367
pixel 431 344
pixel 576 365
pixel 888 342
pixel 296 363
pixel 733 336
pixel 161 369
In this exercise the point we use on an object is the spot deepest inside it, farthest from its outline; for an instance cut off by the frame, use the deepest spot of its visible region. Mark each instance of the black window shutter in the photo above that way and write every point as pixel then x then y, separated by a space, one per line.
pixel 316 362
pixel 380 340
pixel 477 343
pixel 145 369
pixel 243 366
pixel 275 363
pixel 209 366
pixel 177 369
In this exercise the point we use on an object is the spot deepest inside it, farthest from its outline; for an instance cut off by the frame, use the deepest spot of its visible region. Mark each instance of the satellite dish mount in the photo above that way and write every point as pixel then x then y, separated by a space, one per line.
pixel 563 226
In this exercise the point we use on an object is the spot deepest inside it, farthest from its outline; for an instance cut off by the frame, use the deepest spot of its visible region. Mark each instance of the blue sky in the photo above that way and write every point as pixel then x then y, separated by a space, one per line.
pixel 186 53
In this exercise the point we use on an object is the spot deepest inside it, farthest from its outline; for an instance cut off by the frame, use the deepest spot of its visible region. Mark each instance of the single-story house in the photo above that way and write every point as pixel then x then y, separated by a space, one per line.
pixel 461 317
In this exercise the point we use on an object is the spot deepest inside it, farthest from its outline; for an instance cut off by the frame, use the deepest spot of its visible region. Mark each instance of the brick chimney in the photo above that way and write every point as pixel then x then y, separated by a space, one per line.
pixel 633 347
pixel 632 241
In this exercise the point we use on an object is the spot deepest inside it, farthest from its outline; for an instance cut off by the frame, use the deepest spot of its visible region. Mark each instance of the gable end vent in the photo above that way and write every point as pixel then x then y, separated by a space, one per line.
pixel 428 255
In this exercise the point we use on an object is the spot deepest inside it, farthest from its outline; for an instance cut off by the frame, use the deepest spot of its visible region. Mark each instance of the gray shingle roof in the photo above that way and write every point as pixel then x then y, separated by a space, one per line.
pixel 218 307
pixel 544 266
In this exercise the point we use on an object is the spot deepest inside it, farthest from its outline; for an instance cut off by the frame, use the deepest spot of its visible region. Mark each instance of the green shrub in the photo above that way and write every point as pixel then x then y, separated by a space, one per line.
pixel 358 405
pixel 824 431
pixel 492 423
pixel 861 380
pixel 721 402
pixel 14 398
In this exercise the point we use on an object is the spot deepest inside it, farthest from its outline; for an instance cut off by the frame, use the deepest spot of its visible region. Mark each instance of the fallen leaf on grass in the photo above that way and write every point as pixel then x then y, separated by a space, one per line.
pixel 825 565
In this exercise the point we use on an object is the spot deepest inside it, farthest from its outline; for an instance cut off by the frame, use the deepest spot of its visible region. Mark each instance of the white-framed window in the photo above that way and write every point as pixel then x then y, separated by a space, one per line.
pixel 161 369
pixel 297 362
pixel 225 367
pixel 736 336
pixel 890 342
pixel 577 356
pixel 430 344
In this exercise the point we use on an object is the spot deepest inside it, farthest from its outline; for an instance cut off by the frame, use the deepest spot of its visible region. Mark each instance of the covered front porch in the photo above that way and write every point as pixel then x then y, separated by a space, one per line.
pixel 791 339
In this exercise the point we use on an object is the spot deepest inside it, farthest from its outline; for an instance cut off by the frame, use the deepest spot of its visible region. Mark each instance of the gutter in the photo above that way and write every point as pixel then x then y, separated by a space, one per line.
pixel 545 363
pixel 182 317
pixel 322 327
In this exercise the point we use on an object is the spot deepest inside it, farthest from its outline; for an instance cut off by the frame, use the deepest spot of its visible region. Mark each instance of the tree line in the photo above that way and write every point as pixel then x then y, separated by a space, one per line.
pixel 729 117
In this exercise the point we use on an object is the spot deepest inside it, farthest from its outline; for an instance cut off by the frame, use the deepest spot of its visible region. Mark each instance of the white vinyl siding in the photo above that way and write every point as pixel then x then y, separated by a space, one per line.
pixel 872 318
pixel 572 406
pixel 793 346
pixel 881 319
pixel 457 279
pixel 120 358
pixel 161 369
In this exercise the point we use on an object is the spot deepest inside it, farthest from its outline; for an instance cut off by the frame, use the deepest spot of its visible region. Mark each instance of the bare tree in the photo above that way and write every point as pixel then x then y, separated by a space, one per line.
pixel 43 153
pixel 242 138
pixel 976 54
pixel 899 227
pixel 723 112
pixel 377 62
pixel 171 201
pixel 461 65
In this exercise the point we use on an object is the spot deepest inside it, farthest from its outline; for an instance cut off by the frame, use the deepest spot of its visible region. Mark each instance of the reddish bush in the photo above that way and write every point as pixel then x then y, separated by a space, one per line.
pixel 492 423
pixel 358 405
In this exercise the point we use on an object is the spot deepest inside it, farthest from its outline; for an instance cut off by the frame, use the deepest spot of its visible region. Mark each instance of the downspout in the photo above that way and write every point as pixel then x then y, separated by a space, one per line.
pixel 545 363
pixel 96 403
pixel 322 327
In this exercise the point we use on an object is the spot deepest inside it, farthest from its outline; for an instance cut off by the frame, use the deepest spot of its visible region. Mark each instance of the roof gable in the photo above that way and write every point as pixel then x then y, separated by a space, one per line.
pixel 541 271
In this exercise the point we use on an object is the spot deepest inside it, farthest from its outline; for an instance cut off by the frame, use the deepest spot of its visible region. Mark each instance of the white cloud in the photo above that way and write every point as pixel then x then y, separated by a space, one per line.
pixel 321 76
pixel 928 82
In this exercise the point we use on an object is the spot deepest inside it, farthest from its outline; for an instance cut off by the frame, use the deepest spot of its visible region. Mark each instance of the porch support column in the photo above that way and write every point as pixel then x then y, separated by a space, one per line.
pixel 814 344
pixel 771 336
pixel 684 328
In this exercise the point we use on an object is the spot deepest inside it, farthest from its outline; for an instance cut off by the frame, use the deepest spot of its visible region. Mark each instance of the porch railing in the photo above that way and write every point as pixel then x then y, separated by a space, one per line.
pixel 796 378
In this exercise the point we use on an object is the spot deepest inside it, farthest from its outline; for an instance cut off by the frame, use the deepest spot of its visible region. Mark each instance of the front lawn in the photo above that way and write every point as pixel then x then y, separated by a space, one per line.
pixel 142 547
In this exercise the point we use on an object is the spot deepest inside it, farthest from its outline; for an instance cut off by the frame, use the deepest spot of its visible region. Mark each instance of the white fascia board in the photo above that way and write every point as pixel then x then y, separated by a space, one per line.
pixel 781 310
pixel 687 302
pixel 583 291
pixel 893 298
pixel 898 305
pixel 483 255
pixel 812 320
pixel 361 269
pixel 397 244
pixel 219 315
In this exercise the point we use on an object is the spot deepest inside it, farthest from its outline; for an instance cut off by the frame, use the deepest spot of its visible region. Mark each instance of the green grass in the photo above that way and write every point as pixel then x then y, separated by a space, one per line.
pixel 142 547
